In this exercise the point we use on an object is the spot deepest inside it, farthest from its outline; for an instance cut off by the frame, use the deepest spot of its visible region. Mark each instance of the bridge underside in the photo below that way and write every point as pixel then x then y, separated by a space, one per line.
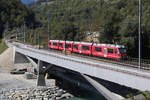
pixel 42 70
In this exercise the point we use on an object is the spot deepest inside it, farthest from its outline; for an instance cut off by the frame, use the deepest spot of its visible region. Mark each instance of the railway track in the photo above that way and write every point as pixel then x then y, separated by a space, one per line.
pixel 127 62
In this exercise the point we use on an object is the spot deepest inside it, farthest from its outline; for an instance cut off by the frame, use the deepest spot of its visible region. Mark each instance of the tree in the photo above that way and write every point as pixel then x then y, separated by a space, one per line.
pixel 14 13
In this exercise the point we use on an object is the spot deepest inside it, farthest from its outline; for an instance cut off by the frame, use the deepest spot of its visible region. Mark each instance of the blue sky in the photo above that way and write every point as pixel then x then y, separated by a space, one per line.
pixel 28 1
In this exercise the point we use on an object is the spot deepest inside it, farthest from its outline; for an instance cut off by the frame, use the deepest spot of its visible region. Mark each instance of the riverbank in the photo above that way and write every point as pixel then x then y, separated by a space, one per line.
pixel 17 87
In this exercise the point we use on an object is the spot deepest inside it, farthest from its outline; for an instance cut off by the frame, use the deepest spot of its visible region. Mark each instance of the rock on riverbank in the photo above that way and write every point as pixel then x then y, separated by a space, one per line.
pixel 34 93
pixel 17 87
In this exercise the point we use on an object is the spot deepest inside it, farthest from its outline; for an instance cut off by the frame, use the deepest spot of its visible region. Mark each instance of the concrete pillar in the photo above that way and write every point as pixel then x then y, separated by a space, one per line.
pixel 41 74
pixel 14 54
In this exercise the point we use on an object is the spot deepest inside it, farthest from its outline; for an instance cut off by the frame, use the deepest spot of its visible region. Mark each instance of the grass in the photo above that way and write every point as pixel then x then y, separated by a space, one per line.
pixel 146 95
pixel 3 46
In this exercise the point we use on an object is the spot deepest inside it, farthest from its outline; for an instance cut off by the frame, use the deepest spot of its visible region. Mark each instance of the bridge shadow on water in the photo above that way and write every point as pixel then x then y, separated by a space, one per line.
pixel 117 88
pixel 86 95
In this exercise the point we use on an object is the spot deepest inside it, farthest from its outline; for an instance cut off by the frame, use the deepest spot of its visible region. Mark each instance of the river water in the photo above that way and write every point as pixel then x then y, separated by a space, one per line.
pixel 87 95
pixel 87 98
pixel 79 87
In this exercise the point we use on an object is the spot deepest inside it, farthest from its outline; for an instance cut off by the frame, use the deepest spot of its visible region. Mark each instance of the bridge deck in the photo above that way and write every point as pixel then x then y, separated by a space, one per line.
pixel 131 77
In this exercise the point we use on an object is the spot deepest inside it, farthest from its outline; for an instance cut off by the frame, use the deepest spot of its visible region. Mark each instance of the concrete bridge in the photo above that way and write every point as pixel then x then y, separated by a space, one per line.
pixel 123 75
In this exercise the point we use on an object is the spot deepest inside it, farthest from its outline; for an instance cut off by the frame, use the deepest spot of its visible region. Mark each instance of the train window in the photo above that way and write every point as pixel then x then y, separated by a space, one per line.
pixel 98 49
pixel 122 50
pixel 116 51
pixel 85 48
pixel 55 44
pixel 60 44
pixel 49 43
pixel 67 46
pixel 110 50
pixel 75 46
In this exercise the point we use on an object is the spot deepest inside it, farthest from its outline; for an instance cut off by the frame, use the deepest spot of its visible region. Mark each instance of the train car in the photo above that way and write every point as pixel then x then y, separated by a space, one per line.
pixel 68 45
pixel 76 47
pixel 86 48
pixel 97 50
pixel 61 45
pixel 54 44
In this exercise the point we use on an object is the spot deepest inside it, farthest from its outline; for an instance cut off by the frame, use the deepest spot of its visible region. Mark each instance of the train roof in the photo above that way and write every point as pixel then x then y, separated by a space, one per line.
pixel 69 41
pixel 54 40
pixel 95 44
pixel 77 42
pixel 87 43
pixel 61 41
pixel 110 45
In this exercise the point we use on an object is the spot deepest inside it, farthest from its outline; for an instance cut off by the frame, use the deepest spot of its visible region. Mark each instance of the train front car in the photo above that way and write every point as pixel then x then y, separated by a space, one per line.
pixel 115 51
pixel 122 52
pixel 110 51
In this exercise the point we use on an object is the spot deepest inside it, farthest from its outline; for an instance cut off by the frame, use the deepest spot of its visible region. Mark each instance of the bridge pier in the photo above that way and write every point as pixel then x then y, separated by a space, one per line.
pixel 42 69
pixel 41 74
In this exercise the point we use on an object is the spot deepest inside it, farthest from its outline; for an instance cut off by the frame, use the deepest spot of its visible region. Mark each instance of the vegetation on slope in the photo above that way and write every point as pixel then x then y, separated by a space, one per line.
pixel 13 14
pixel 115 20
pixel 3 46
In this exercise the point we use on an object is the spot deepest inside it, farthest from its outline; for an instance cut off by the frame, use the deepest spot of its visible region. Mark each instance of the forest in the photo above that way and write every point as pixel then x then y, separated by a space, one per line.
pixel 115 20
pixel 13 14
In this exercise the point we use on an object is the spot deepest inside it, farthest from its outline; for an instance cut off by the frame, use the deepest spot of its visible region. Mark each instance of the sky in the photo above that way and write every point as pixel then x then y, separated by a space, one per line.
pixel 28 1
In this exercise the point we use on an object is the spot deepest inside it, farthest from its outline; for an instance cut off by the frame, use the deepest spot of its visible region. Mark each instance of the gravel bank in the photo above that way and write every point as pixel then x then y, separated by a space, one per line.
pixel 34 93
pixel 16 87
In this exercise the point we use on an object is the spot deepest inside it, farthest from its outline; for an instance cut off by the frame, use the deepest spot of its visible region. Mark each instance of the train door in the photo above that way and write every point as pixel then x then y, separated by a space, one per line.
pixel 116 53
pixel 110 52
pixel 80 48
pixel 105 52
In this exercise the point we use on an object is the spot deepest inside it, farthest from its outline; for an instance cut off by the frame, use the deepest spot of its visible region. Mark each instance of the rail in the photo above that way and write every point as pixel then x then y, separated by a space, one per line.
pixel 129 61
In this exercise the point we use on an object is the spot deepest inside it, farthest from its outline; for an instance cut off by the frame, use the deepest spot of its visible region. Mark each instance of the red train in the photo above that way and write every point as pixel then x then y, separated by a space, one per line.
pixel 103 50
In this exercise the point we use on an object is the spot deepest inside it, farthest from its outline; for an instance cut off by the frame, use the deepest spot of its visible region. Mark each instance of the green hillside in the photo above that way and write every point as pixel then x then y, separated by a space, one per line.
pixel 3 46
pixel 115 20
pixel 13 14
